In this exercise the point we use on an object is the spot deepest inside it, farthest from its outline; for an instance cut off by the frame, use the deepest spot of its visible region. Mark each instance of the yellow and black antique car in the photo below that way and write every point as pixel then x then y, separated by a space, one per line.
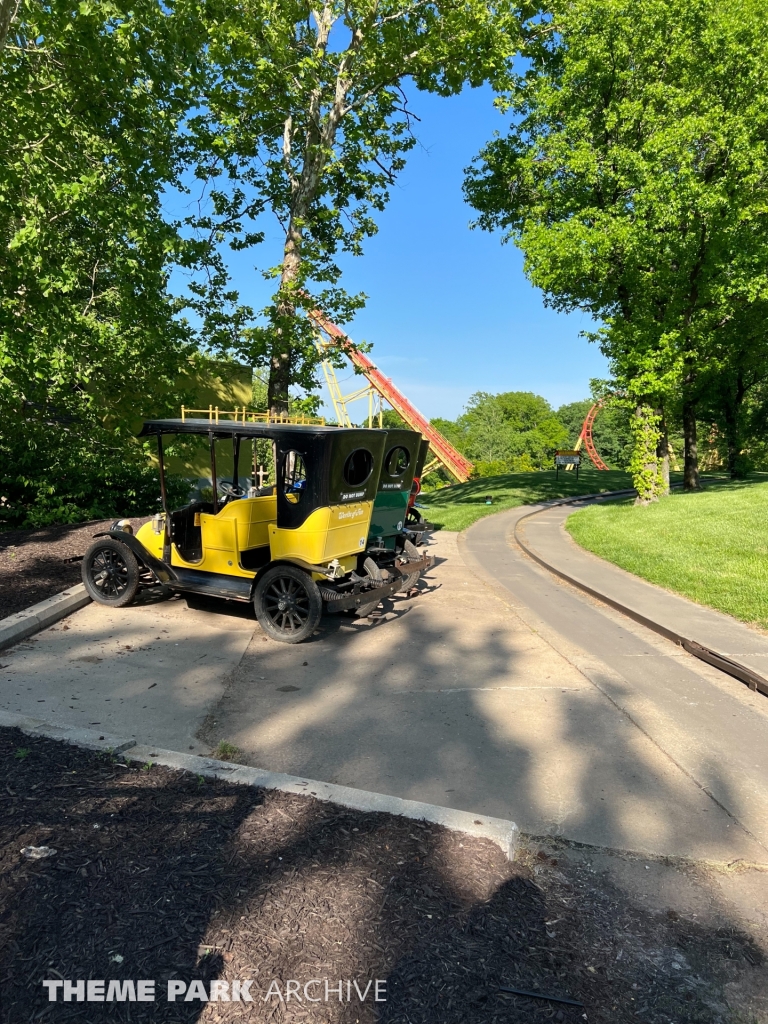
pixel 294 548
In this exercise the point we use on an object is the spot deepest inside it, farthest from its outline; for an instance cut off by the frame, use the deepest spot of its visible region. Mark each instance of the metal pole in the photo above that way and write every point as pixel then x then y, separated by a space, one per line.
pixel 213 472
pixel 161 466
pixel 164 499
pixel 235 459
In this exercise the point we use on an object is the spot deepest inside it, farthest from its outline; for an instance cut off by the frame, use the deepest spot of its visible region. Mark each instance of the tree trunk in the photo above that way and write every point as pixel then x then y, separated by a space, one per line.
pixel 317 144
pixel 644 465
pixel 282 347
pixel 731 440
pixel 662 453
pixel 691 468
pixel 8 10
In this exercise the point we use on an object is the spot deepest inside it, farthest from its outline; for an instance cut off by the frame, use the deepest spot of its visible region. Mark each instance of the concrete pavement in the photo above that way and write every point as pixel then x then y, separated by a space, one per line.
pixel 546 535
pixel 711 726
pixel 453 699
pixel 150 671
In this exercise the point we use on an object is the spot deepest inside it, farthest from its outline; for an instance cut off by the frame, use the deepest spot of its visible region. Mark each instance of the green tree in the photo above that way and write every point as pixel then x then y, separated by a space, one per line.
pixel 516 430
pixel 308 119
pixel 733 390
pixel 94 99
pixel 635 180
pixel 392 420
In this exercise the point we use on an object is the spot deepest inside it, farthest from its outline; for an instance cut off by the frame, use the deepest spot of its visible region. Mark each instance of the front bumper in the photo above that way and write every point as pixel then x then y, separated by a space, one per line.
pixel 357 598
pixel 417 565
pixel 365 591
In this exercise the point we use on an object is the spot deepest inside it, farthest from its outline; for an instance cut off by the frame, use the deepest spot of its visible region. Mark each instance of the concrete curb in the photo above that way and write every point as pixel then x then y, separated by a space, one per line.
pixel 505 834
pixel 91 739
pixel 39 616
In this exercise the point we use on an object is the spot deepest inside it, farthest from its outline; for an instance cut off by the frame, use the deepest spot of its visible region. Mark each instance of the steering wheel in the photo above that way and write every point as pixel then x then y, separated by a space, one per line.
pixel 231 490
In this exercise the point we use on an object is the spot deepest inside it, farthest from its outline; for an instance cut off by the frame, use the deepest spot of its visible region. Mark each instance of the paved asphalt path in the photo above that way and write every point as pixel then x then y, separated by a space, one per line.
pixel 711 726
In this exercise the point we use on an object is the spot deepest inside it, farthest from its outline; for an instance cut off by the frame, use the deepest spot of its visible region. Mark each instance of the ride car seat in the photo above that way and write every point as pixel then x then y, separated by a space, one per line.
pixel 185 530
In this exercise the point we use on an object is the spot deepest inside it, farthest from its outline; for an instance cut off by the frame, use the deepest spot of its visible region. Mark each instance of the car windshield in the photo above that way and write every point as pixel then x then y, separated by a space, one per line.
pixel 294 475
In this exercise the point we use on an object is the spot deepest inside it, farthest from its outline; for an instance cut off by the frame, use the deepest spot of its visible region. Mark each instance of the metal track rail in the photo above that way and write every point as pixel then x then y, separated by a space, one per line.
pixel 586 436
pixel 456 464
pixel 733 668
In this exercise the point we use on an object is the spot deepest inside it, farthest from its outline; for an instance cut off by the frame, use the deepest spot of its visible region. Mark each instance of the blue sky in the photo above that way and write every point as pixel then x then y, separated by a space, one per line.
pixel 449 310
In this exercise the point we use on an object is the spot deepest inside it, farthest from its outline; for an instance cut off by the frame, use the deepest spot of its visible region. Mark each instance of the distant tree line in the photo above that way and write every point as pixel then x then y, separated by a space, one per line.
pixel 518 432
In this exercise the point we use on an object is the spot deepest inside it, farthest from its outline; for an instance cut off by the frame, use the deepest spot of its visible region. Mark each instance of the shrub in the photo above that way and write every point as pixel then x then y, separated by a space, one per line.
pixel 124 485
pixel 493 467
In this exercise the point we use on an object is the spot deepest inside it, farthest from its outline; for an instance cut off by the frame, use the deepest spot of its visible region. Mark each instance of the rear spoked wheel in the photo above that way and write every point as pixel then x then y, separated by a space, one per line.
pixel 111 573
pixel 410 580
pixel 373 572
pixel 288 604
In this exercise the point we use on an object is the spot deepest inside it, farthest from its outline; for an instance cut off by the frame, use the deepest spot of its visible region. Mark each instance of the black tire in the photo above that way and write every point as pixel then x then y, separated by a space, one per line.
pixel 299 596
pixel 411 579
pixel 373 572
pixel 111 572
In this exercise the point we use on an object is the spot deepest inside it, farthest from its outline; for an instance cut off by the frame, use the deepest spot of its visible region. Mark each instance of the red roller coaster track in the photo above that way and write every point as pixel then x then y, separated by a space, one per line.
pixel 453 461
pixel 586 436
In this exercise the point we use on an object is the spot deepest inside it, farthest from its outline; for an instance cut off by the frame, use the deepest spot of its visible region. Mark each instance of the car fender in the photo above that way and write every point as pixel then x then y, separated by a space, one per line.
pixel 298 563
pixel 164 572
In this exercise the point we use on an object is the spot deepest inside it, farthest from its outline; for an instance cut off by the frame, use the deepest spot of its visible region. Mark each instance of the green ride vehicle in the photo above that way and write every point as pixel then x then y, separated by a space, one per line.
pixel 391 547
pixel 416 526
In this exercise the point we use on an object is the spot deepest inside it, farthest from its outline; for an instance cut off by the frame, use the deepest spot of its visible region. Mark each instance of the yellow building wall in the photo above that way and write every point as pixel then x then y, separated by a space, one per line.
pixel 227 385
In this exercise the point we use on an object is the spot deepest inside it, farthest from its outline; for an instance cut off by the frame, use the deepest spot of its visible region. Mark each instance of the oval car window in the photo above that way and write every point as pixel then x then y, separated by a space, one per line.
pixel 358 467
pixel 397 461
pixel 294 476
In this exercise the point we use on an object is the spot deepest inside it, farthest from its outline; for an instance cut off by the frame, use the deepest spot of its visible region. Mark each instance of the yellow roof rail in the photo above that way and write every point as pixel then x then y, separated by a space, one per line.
pixel 243 415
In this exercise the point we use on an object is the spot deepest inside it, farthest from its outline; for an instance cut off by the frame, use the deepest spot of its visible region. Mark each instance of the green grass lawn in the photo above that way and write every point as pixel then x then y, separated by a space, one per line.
pixel 711 546
pixel 457 507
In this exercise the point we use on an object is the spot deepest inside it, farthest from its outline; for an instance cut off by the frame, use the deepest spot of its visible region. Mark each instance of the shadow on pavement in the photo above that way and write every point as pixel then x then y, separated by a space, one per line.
pixel 469 709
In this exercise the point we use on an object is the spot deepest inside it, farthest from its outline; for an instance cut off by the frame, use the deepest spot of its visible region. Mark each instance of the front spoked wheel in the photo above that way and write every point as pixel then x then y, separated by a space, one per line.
pixel 288 604
pixel 111 573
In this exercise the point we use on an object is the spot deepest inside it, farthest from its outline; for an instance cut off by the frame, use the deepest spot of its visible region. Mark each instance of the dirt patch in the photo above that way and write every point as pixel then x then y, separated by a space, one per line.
pixel 165 875
pixel 34 566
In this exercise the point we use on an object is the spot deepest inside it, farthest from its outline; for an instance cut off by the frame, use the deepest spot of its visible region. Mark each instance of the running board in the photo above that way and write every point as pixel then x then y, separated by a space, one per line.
pixel 196 581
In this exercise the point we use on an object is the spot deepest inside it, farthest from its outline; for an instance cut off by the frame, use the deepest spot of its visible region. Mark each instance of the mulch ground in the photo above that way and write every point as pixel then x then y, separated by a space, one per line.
pixel 163 875
pixel 34 566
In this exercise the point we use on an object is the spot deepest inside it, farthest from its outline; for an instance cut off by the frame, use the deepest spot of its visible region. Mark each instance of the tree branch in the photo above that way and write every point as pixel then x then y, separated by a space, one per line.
pixel 92 297
pixel 287 140
pixel 404 13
